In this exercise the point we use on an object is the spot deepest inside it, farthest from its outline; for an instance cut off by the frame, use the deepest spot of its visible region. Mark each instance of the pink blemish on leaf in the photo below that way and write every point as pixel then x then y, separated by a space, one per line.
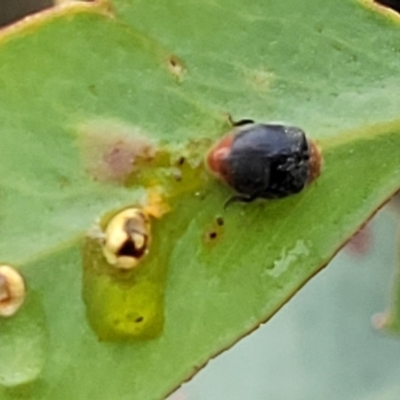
pixel 110 149
pixel 360 242
pixel 119 159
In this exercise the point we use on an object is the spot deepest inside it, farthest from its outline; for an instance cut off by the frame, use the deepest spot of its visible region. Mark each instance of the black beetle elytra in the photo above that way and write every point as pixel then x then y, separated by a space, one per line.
pixel 264 160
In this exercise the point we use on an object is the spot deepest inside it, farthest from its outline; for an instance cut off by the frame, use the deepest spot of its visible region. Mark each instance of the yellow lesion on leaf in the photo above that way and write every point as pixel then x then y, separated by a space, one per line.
pixel 157 205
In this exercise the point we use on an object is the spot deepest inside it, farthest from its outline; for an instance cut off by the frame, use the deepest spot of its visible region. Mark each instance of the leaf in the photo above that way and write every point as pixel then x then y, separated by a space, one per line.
pixel 170 72
pixel 333 312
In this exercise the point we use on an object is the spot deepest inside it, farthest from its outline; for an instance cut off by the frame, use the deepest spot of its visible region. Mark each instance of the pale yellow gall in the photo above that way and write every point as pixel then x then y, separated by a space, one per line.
pixel 127 238
pixel 12 291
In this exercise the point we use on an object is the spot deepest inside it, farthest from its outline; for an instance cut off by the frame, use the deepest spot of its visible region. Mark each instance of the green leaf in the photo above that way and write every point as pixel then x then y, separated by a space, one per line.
pixel 77 82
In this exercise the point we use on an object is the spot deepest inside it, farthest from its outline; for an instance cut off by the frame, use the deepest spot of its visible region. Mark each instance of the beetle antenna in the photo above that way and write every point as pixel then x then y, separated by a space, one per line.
pixel 241 122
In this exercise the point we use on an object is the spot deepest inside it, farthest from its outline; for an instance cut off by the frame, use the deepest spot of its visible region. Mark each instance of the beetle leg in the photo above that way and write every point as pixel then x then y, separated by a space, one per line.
pixel 242 198
pixel 243 122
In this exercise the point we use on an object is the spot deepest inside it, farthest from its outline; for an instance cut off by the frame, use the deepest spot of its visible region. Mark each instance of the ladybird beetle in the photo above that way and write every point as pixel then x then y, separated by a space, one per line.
pixel 264 160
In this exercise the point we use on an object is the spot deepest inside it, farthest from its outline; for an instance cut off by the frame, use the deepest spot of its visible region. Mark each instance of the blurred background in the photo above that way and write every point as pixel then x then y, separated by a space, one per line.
pixel 13 10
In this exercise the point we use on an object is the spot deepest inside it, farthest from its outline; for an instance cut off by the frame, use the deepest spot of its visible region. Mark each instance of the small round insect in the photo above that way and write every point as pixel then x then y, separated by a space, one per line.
pixel 127 238
pixel 264 160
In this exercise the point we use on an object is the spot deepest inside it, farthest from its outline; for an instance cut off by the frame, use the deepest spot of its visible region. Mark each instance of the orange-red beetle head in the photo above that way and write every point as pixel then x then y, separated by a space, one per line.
pixel 217 155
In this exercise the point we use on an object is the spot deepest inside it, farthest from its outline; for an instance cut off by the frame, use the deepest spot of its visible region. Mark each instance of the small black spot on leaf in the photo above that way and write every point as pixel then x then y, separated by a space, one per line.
pixel 212 235
pixel 220 221
pixel 181 160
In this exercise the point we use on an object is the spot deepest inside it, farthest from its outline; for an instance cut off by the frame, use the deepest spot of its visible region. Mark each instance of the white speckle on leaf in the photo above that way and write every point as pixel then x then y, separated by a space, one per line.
pixel 288 257
pixel 259 79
